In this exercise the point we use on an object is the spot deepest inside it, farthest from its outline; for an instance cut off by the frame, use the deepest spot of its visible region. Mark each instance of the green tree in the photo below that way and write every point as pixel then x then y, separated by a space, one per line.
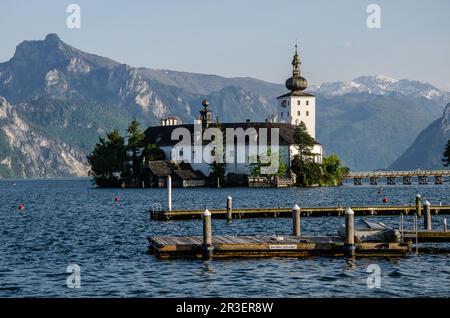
pixel 108 160
pixel 304 143
pixel 446 154
pixel 260 161
pixel 135 136
pixel 151 152
pixel 308 172
pixel 334 172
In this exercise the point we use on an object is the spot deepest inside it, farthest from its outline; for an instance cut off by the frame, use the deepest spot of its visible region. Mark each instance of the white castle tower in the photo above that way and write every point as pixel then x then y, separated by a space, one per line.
pixel 297 106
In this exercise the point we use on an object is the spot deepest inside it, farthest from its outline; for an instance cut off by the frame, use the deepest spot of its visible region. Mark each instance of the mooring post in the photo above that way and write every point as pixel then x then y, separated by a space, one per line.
pixel 207 247
pixel 169 193
pixel 229 209
pixel 427 216
pixel 296 221
pixel 419 205
pixel 349 246
pixel 445 224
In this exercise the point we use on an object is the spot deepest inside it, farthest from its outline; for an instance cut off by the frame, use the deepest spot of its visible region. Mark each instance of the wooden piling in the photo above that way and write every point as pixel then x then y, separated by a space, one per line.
pixel 349 246
pixel 296 221
pixel 169 193
pixel 427 215
pixel 419 205
pixel 229 209
pixel 207 248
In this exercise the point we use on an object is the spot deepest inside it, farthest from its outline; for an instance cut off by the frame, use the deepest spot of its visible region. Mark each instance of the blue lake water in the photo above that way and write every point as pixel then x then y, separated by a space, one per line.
pixel 70 221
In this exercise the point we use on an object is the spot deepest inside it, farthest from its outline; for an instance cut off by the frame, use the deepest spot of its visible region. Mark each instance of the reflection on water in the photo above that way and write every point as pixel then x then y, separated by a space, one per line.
pixel 67 222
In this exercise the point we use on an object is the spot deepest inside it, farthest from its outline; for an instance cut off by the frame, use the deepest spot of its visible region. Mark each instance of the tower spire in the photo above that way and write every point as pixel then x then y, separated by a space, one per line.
pixel 296 62
pixel 296 82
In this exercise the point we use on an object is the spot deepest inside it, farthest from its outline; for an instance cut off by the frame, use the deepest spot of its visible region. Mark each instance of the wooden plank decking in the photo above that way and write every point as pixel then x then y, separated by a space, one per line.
pixel 165 247
pixel 287 212
pixel 425 236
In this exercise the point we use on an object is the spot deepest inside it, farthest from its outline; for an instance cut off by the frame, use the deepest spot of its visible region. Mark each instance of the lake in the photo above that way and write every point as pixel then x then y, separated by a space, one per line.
pixel 71 222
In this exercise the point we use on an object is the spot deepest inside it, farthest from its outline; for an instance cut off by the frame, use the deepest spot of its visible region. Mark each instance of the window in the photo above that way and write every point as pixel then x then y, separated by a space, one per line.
pixel 288 103
pixel 281 114
pixel 298 113
pixel 307 113
pixel 181 153
pixel 298 102
pixel 288 114
pixel 307 102
pixel 283 103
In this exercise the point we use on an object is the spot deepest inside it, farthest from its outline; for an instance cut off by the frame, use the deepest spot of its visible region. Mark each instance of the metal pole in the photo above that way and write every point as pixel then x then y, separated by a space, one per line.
pixel 401 227
pixel 169 193
pixel 229 209
pixel 416 229
pixel 296 220
pixel 427 216
pixel 207 247
pixel 419 205
pixel 349 246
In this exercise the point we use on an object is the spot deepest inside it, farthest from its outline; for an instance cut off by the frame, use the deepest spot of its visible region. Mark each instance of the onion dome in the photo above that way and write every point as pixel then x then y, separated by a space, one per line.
pixel 296 82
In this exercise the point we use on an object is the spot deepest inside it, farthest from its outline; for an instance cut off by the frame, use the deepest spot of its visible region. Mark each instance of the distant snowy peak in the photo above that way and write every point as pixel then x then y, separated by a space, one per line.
pixel 383 85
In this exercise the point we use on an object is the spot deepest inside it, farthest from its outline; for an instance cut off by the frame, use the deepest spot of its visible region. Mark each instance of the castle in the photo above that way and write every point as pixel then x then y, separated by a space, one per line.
pixel 293 107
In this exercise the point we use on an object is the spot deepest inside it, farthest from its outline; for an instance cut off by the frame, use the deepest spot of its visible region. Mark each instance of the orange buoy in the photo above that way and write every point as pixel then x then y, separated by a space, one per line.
pixel 21 207
pixel 385 200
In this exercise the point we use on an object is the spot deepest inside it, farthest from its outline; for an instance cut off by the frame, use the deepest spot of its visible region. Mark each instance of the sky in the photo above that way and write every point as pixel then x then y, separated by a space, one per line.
pixel 248 38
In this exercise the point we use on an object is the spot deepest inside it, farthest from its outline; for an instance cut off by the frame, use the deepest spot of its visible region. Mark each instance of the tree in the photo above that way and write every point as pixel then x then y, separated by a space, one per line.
pixel 446 154
pixel 256 165
pixel 334 172
pixel 151 152
pixel 108 160
pixel 218 168
pixel 304 143
pixel 308 172
pixel 135 136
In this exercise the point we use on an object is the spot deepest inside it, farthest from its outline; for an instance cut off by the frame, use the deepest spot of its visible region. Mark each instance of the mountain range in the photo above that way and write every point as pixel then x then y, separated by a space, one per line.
pixel 426 151
pixel 56 100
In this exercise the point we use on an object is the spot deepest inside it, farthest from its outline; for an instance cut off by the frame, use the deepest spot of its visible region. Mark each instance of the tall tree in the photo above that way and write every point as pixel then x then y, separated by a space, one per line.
pixel 108 159
pixel 135 136
pixel 303 142
pixel 446 154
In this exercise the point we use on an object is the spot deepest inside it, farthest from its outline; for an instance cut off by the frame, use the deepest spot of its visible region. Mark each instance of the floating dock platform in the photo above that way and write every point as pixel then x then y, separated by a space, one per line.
pixel 165 215
pixel 168 247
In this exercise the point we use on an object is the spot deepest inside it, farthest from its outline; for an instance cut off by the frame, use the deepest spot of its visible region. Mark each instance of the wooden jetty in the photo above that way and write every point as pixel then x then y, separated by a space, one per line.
pixel 165 247
pixel 407 176
pixel 427 236
pixel 162 215
pixel 295 245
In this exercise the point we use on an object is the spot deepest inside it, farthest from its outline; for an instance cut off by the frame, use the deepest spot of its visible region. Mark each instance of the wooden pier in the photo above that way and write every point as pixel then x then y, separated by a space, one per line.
pixel 286 212
pixel 391 176
pixel 166 247
pixel 427 236
pixel 208 246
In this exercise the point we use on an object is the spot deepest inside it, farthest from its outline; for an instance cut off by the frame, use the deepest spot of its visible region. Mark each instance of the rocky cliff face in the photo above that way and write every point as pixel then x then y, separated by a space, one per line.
pixel 25 152
pixel 426 151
